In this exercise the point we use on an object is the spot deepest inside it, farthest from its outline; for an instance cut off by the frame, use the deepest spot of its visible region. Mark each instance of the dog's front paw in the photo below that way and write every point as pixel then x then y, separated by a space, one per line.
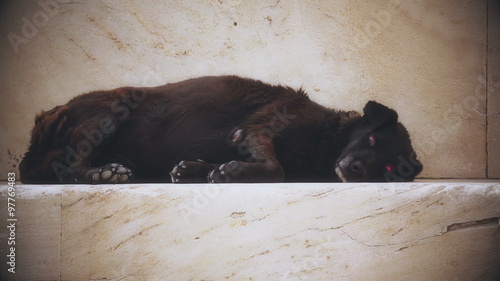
pixel 225 173
pixel 190 172
pixel 111 173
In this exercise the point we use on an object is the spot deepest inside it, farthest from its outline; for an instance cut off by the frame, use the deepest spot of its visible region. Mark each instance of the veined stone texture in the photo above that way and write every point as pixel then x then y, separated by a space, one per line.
pixel 398 231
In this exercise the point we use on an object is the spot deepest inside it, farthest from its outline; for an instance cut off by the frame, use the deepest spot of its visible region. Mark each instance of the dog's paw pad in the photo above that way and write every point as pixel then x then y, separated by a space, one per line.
pixel 224 173
pixel 177 172
pixel 218 175
pixel 111 173
pixel 190 172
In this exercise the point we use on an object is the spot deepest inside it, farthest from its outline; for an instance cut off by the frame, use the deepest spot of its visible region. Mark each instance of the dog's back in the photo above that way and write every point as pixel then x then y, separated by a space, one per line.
pixel 269 133
pixel 152 129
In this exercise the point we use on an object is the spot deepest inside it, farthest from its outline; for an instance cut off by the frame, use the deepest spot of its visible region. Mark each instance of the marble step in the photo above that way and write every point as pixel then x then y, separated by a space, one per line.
pixel 389 231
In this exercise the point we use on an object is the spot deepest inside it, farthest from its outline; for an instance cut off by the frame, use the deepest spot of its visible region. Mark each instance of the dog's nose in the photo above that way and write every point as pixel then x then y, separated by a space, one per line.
pixel 357 168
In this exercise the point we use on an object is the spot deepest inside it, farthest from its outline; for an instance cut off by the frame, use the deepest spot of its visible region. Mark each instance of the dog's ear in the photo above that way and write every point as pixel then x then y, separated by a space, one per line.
pixel 378 115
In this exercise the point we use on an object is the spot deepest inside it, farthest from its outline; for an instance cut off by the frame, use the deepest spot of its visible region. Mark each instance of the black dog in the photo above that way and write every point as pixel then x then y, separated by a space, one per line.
pixel 215 129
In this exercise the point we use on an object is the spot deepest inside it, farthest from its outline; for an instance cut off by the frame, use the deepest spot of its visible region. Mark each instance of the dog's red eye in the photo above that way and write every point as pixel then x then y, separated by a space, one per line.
pixel 372 140
pixel 389 167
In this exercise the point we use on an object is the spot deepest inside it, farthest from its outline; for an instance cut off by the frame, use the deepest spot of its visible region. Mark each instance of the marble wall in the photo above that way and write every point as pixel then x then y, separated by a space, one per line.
pixel 401 232
pixel 436 62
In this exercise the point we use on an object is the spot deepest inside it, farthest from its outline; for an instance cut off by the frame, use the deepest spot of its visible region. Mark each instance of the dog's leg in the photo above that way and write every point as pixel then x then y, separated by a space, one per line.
pixel 58 171
pixel 262 164
pixel 82 172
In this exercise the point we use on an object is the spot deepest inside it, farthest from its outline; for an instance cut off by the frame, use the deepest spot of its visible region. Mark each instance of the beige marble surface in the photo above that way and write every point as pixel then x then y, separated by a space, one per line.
pixel 427 59
pixel 402 232
pixel 493 90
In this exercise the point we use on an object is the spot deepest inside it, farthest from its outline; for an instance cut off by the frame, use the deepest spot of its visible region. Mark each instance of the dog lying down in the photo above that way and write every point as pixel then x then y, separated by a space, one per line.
pixel 215 129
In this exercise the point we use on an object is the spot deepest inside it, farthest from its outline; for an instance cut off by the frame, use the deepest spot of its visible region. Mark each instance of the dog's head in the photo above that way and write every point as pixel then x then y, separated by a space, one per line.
pixel 379 149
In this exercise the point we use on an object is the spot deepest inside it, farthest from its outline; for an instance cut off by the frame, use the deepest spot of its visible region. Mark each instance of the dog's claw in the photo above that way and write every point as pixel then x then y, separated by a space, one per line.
pixel 224 173
pixel 190 172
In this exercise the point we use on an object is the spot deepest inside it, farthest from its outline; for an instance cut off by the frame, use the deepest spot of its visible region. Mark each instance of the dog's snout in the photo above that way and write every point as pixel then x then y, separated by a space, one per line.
pixel 351 168
pixel 357 167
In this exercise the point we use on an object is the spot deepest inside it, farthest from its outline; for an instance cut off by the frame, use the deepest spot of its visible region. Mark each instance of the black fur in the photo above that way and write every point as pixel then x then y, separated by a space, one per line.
pixel 223 129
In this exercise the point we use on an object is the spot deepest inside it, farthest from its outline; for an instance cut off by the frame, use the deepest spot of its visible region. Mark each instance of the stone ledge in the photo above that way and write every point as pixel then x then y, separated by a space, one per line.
pixel 424 230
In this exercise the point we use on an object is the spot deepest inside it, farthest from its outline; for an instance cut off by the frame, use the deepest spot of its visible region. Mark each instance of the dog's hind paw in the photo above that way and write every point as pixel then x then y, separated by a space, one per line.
pixel 225 173
pixel 191 172
pixel 111 173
